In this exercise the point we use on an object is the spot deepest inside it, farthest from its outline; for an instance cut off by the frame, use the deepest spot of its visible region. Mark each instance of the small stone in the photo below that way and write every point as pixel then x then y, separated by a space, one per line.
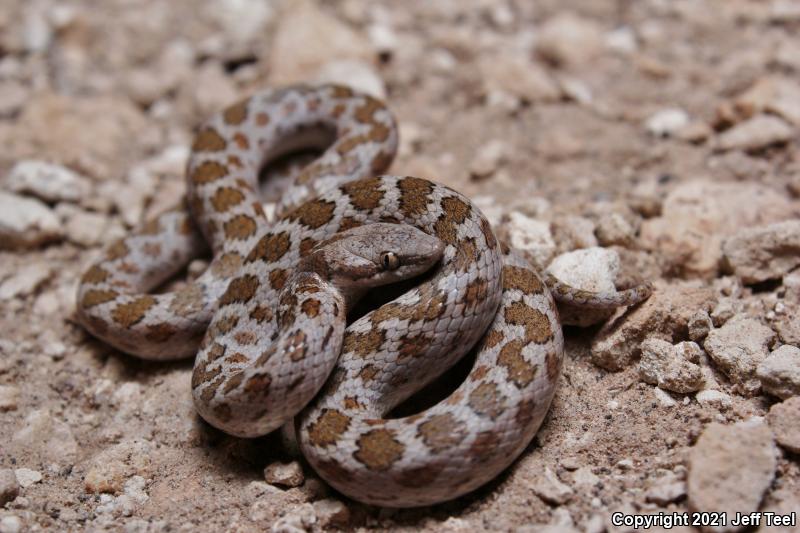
pixel 671 367
pixel 299 520
pixel 531 236
pixel 713 398
pixel 48 182
pixel 9 486
pixel 284 474
pixel 13 96
pixel 550 489
pixel 664 398
pixel 569 40
pixel 46 438
pixel 109 470
pixel 590 269
pixel 26 281
pixel 666 122
pixel 763 253
pixel 359 75
pixel 520 78
pixel 622 40
pixel 756 134
pixel 10 524
pixel 9 398
pixel 725 309
pixel 572 232
pixel 614 229
pixel 695 132
pixel 779 373
pixel 27 477
pixel 488 159
pixel 26 222
pixel 738 348
pixel 699 325
pixel 730 469
pixel 332 513
pixel 666 489
pixel 212 89
pixel 784 420
pixel 83 227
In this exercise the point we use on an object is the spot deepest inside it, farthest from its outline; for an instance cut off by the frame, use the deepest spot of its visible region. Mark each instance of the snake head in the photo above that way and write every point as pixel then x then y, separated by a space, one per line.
pixel 374 254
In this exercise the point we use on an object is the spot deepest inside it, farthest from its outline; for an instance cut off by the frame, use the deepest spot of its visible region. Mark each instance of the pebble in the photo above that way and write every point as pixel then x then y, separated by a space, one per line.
pixel 666 122
pixel 569 40
pixel 755 134
pixel 47 181
pixel 46 437
pixel 665 314
pixel 9 398
pixel 212 89
pixel 590 269
pixel 672 368
pixel 26 222
pixel 25 281
pixel 301 519
pixel 9 486
pixel 550 489
pixel 284 474
pixel 359 75
pixel 571 232
pixel 664 398
pixel 666 489
pixel 784 420
pixel 10 524
pixel 488 159
pixel 763 253
pixel 109 470
pixel 520 78
pixel 779 373
pixel 27 477
pixel 532 236
pixel 309 37
pixel 730 468
pixel 737 348
pixel 614 229
pixel 622 40
pixel 331 513
pixel 714 398
pixel 699 326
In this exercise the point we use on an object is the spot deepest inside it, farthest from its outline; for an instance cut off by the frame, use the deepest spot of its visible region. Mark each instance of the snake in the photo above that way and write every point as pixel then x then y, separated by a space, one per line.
pixel 267 321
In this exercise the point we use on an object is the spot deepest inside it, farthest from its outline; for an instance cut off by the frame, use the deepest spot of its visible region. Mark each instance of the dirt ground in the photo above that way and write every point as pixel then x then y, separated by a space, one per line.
pixel 663 130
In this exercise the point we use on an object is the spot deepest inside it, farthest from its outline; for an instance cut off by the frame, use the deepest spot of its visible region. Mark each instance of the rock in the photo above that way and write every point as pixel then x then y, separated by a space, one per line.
pixel 779 373
pixel 755 134
pixel 298 520
pixel 614 229
pixel 779 96
pixel 788 326
pixel 244 22
pixel 9 486
pixel 622 40
pixel 673 368
pixel 284 474
pixel 666 122
pixel 763 253
pixel 531 236
pixel 9 398
pixel 664 398
pixel 695 132
pixel 25 281
pixel 698 215
pixel 48 182
pixel 569 40
pixel 109 470
pixel 664 315
pixel 212 89
pixel 47 438
pixel 571 232
pixel 488 159
pixel 730 469
pixel 713 398
pixel 26 222
pixel 332 513
pixel 666 489
pixel 590 269
pixel 699 325
pixel 738 348
pixel 784 420
pixel 12 97
pixel 10 524
pixel 550 489
pixel 84 228
pixel 27 477
pixel 359 75
pixel 307 38
pixel 519 77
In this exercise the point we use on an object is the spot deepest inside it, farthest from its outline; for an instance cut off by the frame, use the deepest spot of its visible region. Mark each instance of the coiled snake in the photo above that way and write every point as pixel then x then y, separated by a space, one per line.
pixel 267 318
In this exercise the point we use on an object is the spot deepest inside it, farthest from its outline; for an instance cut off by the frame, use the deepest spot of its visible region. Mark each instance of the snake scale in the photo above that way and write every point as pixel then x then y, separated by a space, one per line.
pixel 267 317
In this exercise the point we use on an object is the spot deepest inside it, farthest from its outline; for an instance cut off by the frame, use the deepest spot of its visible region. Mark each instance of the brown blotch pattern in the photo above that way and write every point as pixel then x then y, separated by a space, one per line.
pixel 208 140
pixel 314 214
pixel 118 250
pixel 455 212
pixel 226 265
pixel 270 248
pixel 241 140
pixel 225 198
pixel 311 307
pixel 160 332
pixel 258 383
pixel 484 446
pixel 492 338
pixel 95 274
pixel 487 400
pixel 537 326
pixel 306 246
pixel 466 254
pixel 414 196
pixel 240 227
pixel 364 194
pixel 349 223
pixel 476 291
pixel 363 344
pixel 328 428
pixel 261 314
pixel 378 449
pixel 209 171
pixel 235 114
pixel 488 234
pixel 553 365
pixel 522 279
pixel 129 314
pixel 296 346
pixel 277 278
pixel 441 432
pixel 245 338
pixel 240 290
pixel 413 345
pixel 418 477
pixel 519 370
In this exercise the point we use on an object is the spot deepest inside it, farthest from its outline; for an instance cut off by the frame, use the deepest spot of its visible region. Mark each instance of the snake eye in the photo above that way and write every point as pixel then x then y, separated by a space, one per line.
pixel 390 261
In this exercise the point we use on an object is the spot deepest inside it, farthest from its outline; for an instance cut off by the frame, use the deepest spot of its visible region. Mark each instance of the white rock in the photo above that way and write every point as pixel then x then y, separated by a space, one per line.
pixel 779 373
pixel 550 489
pixel 666 489
pixel 738 348
pixel 10 524
pixel 301 519
pixel 756 133
pixel 284 474
pixel 590 269
pixel 25 281
pixel 784 421
pixel 488 158
pixel 713 398
pixel 331 513
pixel 47 438
pixel 358 75
pixel 762 253
pixel 26 222
pixel 614 229
pixel 519 77
pixel 383 38
pixel 27 477
pixel 47 181
pixel 664 398
pixel 567 39
pixel 622 40
pixel 532 236
pixel 83 227
pixel 242 21
pixel 666 122
pixel 671 367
